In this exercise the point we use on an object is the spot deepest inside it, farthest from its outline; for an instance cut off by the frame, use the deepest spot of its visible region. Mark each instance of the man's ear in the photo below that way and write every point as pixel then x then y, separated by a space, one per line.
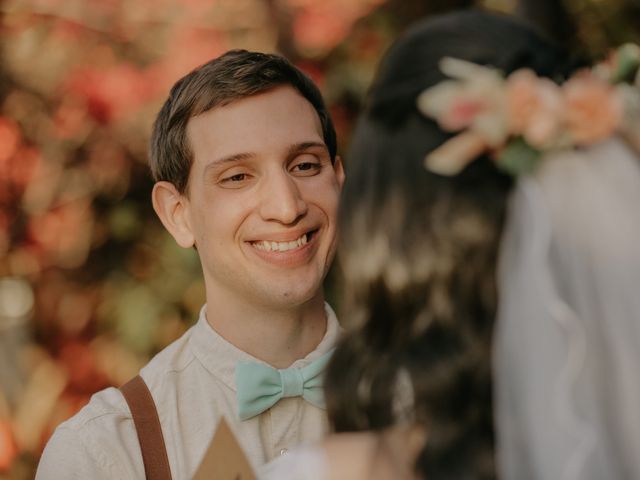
pixel 339 169
pixel 173 210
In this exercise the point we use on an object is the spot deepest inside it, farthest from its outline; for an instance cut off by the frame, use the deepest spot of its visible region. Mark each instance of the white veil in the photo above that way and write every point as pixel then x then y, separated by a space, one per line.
pixel 567 341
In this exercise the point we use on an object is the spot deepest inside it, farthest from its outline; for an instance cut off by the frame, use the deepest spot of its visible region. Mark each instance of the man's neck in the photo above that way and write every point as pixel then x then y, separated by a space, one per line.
pixel 276 336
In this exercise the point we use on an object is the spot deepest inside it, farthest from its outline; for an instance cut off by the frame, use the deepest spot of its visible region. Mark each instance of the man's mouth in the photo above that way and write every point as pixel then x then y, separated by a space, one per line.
pixel 271 246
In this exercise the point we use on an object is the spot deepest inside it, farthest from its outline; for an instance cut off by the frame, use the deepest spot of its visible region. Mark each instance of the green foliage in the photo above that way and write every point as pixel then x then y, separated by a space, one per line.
pixel 518 158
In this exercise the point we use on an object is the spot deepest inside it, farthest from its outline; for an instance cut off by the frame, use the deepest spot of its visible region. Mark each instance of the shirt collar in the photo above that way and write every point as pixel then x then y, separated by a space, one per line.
pixel 220 357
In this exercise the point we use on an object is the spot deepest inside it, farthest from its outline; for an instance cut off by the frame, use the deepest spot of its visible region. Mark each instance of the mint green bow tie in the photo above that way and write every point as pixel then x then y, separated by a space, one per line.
pixel 260 386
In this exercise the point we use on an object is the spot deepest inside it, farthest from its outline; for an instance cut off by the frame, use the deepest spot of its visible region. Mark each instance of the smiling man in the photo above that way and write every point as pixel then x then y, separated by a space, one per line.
pixel 244 157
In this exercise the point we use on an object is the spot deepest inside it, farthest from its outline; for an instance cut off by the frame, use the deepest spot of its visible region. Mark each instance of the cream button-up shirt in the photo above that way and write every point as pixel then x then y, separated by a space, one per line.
pixel 192 382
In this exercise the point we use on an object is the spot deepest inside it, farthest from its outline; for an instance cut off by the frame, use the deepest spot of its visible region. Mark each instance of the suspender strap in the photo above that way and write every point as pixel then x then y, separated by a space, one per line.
pixel 145 418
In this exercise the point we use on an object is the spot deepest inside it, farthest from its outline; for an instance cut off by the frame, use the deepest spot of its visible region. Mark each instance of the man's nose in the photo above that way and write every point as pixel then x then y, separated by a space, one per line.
pixel 281 199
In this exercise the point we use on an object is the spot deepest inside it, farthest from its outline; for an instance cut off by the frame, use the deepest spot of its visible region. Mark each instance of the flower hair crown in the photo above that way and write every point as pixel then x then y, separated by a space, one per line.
pixel 519 118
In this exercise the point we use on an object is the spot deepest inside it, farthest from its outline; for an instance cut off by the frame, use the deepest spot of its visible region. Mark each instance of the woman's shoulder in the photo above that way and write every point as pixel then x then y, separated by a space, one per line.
pixel 350 455
pixel 345 455
pixel 353 456
pixel 303 463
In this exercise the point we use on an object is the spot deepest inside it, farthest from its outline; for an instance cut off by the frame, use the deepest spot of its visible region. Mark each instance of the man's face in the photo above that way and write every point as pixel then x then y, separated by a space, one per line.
pixel 262 199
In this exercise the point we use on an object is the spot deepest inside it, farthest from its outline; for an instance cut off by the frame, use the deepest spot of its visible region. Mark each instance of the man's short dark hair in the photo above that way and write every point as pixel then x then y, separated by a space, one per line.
pixel 236 74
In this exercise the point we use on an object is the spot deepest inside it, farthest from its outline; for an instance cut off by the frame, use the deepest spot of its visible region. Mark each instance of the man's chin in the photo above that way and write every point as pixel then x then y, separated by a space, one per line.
pixel 288 298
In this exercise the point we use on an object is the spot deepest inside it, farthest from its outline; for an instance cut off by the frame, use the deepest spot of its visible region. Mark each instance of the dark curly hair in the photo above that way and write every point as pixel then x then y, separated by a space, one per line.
pixel 419 251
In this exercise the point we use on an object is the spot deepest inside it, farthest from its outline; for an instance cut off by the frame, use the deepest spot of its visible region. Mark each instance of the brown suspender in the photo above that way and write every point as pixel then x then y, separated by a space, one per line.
pixel 147 423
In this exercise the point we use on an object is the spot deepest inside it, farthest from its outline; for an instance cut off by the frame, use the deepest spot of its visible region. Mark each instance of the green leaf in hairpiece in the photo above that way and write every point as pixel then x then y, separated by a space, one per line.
pixel 627 63
pixel 518 158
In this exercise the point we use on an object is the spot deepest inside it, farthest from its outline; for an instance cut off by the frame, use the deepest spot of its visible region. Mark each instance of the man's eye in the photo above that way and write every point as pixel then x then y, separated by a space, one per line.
pixel 235 180
pixel 306 167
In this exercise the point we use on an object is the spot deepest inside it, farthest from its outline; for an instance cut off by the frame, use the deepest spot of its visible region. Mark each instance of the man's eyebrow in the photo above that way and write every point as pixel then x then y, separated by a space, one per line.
pixel 236 157
pixel 302 146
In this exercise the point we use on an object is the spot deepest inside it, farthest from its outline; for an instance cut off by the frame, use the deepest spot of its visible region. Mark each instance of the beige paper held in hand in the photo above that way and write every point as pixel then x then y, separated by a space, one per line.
pixel 224 459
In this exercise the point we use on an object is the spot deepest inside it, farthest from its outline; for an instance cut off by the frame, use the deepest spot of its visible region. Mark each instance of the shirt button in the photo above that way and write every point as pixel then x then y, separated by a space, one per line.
pixel 284 452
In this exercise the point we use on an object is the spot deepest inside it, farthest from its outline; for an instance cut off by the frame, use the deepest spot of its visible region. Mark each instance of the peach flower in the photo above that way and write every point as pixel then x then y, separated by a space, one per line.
pixel 593 109
pixel 454 155
pixel 534 108
pixel 10 138
pixel 461 113
pixel 470 100
pixel 8 449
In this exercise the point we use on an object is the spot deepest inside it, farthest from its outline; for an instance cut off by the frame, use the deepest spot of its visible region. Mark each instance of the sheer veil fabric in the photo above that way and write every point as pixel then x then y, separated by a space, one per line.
pixel 567 341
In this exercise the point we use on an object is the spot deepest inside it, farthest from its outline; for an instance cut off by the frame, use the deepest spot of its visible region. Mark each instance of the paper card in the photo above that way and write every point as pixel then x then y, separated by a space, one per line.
pixel 224 459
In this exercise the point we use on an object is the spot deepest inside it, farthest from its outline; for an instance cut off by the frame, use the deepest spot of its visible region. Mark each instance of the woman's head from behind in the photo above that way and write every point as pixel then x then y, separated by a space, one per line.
pixel 419 250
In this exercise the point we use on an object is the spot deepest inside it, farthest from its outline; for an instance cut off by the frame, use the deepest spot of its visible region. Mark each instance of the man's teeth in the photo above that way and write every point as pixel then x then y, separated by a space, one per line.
pixel 280 246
